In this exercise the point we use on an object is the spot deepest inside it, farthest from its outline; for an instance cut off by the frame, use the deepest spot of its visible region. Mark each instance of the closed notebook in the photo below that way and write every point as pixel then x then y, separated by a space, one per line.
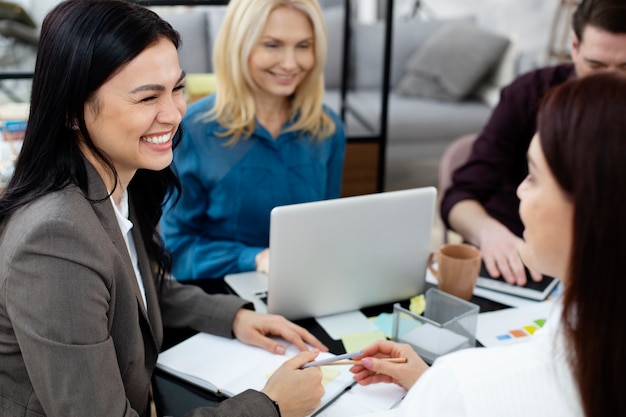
pixel 537 291
pixel 229 367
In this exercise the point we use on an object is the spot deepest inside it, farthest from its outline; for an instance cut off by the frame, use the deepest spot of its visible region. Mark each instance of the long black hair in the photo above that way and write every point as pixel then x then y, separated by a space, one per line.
pixel 83 43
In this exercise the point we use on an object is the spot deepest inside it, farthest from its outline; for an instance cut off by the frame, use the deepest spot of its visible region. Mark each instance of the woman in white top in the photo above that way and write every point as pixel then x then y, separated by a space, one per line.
pixel 572 206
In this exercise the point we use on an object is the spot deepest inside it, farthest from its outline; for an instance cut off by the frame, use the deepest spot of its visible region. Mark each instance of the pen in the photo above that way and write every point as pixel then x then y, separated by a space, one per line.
pixel 333 359
pixel 353 362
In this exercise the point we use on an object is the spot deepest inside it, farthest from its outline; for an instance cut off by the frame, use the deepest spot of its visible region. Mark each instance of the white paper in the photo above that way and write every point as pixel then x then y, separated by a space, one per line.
pixel 379 399
pixel 337 325
pixel 496 328
pixel 433 339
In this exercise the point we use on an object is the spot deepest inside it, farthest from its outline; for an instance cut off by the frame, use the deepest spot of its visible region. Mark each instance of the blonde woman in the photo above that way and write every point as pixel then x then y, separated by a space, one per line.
pixel 264 139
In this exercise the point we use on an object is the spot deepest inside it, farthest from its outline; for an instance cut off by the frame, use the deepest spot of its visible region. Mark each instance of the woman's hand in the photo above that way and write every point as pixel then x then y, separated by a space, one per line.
pixel 297 391
pixel 254 328
pixel 373 370
pixel 262 261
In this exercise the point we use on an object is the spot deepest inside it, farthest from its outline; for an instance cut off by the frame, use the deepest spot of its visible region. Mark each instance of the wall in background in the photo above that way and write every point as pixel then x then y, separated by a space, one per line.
pixel 527 22
pixel 36 8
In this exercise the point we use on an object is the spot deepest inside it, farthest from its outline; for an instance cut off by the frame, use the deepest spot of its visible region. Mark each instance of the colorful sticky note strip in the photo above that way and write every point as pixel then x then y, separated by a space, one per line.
pixel 527 330
pixel 518 333
pixel 530 329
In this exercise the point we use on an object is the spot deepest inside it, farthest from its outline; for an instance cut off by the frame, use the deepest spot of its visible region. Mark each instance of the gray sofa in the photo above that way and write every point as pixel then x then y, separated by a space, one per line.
pixel 421 123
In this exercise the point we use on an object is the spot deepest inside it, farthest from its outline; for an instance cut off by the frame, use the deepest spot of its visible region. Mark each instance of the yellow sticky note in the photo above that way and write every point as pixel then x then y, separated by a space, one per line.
pixel 418 304
pixel 328 374
pixel 357 341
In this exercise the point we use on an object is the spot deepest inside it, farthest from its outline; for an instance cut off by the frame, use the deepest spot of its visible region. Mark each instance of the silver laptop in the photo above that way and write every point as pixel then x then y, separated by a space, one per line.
pixel 342 255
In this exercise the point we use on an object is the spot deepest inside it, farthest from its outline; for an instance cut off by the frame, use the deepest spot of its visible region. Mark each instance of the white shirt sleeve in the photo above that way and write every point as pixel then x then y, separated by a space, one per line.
pixel 435 394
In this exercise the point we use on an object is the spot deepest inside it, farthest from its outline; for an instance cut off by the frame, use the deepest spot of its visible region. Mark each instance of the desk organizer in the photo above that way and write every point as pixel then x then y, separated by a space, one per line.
pixel 448 324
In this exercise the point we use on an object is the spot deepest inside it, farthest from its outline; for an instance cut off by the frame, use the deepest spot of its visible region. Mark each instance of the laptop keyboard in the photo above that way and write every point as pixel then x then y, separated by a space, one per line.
pixel 262 296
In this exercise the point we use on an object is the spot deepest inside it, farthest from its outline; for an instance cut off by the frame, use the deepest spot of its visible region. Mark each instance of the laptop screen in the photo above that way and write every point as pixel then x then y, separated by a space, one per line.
pixel 345 254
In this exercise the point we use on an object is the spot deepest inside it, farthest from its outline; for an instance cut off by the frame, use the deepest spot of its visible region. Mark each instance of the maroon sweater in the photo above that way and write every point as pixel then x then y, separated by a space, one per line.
pixel 497 164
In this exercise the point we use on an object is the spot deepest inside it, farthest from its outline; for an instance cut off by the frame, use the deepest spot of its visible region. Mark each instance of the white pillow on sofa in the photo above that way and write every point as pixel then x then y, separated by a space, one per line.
pixel 503 74
pixel 334 19
pixel 452 62
pixel 368 41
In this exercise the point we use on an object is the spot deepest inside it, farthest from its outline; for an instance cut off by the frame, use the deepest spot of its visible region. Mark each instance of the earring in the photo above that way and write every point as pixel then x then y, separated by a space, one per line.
pixel 74 126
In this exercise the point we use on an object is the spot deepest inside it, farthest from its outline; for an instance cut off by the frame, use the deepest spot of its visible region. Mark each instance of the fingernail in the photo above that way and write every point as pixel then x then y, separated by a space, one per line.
pixel 366 362
pixel 280 349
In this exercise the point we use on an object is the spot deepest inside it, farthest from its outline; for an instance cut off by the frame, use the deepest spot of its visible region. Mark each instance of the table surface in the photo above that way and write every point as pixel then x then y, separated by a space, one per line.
pixel 213 286
pixel 174 396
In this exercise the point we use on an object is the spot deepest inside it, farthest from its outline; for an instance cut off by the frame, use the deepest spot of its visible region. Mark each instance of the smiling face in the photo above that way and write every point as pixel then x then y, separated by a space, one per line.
pixel 133 116
pixel 283 55
pixel 547 214
pixel 599 50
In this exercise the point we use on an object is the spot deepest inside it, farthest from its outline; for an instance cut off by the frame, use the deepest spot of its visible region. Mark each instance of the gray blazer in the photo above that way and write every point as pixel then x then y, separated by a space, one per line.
pixel 75 339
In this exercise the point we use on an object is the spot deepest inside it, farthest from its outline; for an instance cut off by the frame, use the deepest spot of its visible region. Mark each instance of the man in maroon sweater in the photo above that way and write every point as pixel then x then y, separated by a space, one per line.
pixel 482 204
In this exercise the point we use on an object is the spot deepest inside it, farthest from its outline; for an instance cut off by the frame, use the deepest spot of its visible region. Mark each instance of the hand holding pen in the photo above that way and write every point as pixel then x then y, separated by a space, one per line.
pixel 297 392
pixel 377 364
pixel 346 359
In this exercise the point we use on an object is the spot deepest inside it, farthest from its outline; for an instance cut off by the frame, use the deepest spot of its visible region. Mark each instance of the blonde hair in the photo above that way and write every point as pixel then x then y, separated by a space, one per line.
pixel 235 107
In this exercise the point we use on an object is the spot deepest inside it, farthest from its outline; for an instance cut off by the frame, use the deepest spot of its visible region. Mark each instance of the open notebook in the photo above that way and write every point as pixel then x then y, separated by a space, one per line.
pixel 229 367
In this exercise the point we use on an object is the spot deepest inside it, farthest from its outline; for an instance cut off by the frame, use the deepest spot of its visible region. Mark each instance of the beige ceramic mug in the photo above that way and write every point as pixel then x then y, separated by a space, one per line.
pixel 458 266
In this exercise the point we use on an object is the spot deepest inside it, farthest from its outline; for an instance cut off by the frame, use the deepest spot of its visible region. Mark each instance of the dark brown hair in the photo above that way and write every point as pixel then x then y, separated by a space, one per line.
pixel 582 130
pixel 608 15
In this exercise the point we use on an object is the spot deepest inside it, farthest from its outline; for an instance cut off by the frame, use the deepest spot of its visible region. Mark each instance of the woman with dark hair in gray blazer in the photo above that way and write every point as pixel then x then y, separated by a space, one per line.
pixel 84 288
